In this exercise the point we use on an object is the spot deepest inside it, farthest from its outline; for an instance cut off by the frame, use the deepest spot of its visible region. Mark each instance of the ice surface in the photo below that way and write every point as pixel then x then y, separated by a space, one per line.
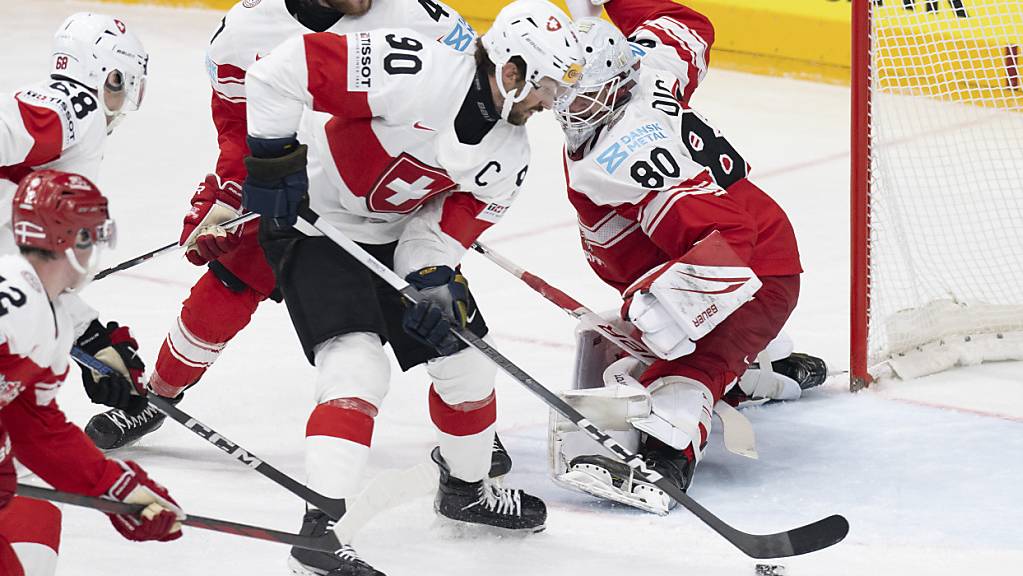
pixel 927 490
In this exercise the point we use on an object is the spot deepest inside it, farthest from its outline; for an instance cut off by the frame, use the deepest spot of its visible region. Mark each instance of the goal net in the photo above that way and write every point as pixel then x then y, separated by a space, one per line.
pixel 937 185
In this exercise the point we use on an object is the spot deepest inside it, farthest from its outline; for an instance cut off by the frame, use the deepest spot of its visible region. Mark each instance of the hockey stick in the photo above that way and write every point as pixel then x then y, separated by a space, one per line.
pixel 588 317
pixel 326 543
pixel 387 490
pixel 736 429
pixel 230 224
pixel 802 540
pixel 333 507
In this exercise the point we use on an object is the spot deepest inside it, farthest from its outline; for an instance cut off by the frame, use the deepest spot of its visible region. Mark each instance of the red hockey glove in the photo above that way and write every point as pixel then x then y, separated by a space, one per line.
pixel 115 346
pixel 8 476
pixel 213 203
pixel 158 521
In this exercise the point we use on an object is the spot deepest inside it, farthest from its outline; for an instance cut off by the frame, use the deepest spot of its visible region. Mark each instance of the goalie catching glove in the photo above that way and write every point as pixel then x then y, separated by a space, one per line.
pixel 215 201
pixel 679 302
pixel 444 291
pixel 115 346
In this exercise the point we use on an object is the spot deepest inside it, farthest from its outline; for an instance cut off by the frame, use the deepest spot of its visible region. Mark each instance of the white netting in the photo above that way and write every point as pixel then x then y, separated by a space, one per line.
pixel 946 173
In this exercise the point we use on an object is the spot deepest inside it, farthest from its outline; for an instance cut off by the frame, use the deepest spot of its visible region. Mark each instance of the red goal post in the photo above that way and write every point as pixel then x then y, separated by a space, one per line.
pixel 937 186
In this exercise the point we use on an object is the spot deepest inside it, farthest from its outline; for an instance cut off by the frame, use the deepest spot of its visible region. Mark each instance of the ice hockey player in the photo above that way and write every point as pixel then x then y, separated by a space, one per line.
pixel 97 75
pixel 62 224
pixel 222 301
pixel 423 150
pixel 706 262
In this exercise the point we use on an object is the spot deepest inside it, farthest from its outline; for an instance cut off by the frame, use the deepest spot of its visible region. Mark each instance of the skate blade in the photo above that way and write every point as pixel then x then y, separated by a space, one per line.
pixel 460 530
pixel 583 482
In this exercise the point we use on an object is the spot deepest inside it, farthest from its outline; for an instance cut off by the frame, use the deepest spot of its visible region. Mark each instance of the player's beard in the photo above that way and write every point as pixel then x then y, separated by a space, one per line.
pixel 349 7
pixel 521 112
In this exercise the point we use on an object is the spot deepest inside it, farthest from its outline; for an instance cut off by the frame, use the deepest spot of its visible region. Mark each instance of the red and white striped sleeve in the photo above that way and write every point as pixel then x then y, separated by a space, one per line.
pixel 672 37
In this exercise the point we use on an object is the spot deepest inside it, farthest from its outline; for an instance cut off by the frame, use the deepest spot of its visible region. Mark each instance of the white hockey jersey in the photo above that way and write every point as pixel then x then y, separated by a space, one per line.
pixel 390 163
pixel 661 177
pixel 55 124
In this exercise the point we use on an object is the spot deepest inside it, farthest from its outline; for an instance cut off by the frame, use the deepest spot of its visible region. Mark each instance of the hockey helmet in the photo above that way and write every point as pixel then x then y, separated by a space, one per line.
pixel 541 34
pixel 611 72
pixel 58 211
pixel 88 48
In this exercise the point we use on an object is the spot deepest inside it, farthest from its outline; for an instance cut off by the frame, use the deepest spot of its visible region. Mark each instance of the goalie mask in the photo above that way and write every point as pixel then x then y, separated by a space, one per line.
pixel 599 98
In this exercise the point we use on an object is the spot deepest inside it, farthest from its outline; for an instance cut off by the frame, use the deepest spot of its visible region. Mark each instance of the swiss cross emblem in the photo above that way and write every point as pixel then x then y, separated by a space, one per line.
pixel 553 24
pixel 120 26
pixel 726 163
pixel 695 142
pixel 405 185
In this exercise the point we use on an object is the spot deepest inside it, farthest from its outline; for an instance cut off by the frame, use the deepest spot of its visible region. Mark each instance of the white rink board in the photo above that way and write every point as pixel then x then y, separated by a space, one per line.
pixel 926 490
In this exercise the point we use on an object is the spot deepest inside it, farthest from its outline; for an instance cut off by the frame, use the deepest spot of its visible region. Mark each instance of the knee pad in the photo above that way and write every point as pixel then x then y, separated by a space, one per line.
pixel 465 376
pixel 352 366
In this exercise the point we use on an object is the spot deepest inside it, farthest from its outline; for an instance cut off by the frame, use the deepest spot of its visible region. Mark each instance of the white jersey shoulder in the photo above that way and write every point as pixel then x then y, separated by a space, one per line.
pixel 30 326
pixel 640 153
pixel 82 124
pixel 251 30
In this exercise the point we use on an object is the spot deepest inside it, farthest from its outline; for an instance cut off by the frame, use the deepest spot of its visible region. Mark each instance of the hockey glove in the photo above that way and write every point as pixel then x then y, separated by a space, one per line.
pixel 277 181
pixel 8 475
pixel 444 292
pixel 213 203
pixel 160 518
pixel 116 347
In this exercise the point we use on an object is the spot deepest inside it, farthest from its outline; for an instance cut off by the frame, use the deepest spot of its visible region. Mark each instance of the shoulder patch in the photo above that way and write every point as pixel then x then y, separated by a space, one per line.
pixel 250 3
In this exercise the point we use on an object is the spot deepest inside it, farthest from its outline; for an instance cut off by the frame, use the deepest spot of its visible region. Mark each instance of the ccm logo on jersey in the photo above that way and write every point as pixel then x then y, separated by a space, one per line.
pixel 611 158
pixel 360 64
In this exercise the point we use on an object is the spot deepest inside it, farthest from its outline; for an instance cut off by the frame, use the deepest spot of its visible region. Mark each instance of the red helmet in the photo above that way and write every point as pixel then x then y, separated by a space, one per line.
pixel 56 211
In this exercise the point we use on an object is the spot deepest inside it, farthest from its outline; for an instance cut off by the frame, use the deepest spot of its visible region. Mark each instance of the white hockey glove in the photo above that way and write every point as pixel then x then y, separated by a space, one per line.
pixel 681 301
pixel 585 8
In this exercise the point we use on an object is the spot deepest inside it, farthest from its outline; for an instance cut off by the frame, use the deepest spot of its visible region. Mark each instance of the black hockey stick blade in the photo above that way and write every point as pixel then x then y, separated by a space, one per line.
pixel 232 223
pixel 802 540
pixel 333 507
pixel 326 543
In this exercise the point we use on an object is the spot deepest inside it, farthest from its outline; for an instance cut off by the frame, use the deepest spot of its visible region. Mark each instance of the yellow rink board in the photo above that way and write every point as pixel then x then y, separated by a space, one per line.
pixel 811 39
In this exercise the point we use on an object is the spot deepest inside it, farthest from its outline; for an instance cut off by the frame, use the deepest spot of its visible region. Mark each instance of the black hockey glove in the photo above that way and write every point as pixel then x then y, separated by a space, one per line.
pixel 116 347
pixel 445 299
pixel 277 181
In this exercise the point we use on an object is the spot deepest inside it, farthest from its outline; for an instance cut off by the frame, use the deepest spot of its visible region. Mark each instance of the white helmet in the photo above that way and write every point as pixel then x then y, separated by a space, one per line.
pixel 88 47
pixel 610 74
pixel 541 34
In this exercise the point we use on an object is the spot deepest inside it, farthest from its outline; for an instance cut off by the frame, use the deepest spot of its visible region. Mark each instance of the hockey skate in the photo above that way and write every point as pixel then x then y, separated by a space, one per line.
pixel 789 377
pixel 115 429
pixel 500 461
pixel 610 479
pixel 342 562
pixel 483 502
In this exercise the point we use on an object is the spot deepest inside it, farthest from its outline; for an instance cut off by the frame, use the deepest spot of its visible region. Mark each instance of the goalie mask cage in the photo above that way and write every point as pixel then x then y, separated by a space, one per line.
pixel 937 185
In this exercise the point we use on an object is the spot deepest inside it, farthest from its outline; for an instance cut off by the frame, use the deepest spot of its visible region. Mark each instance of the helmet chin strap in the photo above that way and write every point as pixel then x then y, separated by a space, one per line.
pixel 511 99
pixel 88 270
